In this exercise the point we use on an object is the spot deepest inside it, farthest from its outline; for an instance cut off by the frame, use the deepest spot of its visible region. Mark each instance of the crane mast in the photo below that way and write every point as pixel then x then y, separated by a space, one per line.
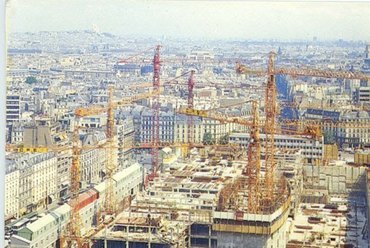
pixel 271 108
pixel 109 203
pixel 72 234
pixel 252 170
pixel 270 112
pixel 156 108
pixel 190 118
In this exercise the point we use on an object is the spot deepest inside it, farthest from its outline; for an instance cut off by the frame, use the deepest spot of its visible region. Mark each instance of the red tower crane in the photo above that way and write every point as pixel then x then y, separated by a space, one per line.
pixel 190 118
pixel 156 107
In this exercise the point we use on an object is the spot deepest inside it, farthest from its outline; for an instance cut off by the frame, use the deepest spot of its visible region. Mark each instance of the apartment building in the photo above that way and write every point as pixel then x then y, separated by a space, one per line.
pixel 166 127
pixel 37 180
pixel 217 129
pixel 93 161
pixel 44 178
pixel 125 141
pixel 311 149
pixel 93 121
pixel 353 132
pixel 64 160
pixel 46 230
pixel 348 128
pixel 12 191
pixel 16 131
pixel 181 130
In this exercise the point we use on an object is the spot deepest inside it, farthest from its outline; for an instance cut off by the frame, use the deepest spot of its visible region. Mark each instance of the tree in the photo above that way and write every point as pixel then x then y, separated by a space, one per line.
pixel 224 140
pixel 329 137
pixel 31 80
pixel 207 139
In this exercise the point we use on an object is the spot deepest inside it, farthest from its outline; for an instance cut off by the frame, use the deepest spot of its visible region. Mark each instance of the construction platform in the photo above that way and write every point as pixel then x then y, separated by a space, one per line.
pixel 341 223
pixel 199 203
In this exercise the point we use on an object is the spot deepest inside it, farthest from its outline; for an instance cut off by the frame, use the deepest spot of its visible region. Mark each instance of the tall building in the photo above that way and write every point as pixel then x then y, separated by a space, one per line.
pixel 13 109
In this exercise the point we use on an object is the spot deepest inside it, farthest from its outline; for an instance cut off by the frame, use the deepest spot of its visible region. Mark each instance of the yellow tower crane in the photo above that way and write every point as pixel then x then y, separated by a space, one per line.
pixel 72 235
pixel 271 107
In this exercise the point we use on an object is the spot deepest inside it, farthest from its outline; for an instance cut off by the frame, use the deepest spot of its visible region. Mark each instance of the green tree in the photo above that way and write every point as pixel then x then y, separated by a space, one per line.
pixel 328 137
pixel 224 140
pixel 207 139
pixel 31 80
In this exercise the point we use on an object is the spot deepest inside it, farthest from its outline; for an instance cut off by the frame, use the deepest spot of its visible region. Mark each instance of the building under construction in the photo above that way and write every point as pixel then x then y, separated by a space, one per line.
pixel 201 203
pixel 216 201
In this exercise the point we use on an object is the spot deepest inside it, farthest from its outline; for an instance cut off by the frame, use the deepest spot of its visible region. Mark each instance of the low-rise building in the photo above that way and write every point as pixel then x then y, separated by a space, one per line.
pixel 45 231
pixel 128 182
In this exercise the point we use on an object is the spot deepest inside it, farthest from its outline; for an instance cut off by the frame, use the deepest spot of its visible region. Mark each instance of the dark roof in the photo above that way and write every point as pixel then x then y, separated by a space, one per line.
pixel 289 113
pixel 332 115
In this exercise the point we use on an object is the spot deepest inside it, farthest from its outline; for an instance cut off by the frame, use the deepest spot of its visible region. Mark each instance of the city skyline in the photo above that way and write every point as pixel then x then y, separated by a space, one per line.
pixel 196 19
pixel 186 128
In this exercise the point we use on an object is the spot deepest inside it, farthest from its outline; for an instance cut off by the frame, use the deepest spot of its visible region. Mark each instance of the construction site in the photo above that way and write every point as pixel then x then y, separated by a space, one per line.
pixel 200 204
pixel 260 194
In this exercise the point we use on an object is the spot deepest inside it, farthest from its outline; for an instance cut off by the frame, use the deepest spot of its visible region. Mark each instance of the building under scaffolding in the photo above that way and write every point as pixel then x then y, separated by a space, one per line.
pixel 200 204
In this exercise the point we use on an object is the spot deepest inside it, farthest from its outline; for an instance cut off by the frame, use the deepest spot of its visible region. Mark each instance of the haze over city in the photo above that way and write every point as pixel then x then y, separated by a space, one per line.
pixel 196 19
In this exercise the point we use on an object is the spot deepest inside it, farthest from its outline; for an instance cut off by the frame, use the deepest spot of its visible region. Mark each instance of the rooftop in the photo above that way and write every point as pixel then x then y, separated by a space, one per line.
pixel 339 223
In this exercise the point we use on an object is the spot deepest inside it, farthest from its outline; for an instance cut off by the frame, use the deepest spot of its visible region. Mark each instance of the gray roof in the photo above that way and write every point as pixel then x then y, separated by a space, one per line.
pixel 93 138
pixel 23 160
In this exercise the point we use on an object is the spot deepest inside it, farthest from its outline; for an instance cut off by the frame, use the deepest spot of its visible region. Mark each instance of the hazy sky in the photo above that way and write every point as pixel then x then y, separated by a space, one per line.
pixel 198 19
